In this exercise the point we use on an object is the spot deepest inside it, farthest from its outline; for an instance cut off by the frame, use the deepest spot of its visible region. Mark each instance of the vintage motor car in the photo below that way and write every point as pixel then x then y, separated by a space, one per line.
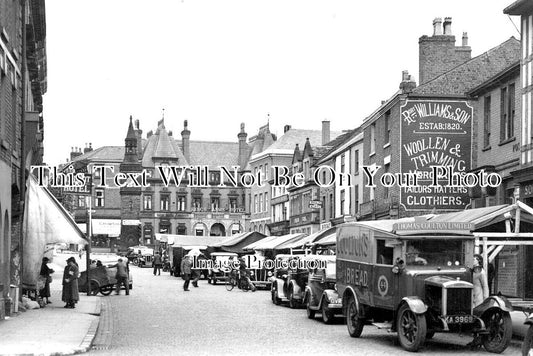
pixel 288 283
pixel 103 278
pixel 320 293
pixel 413 276
pixel 221 259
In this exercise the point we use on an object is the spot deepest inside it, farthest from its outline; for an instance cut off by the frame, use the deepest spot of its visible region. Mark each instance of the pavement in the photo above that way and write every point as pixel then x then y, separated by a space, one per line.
pixel 52 330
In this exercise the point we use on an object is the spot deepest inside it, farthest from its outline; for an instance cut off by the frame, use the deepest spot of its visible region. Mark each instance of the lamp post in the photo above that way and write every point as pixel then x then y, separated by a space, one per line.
pixel 89 231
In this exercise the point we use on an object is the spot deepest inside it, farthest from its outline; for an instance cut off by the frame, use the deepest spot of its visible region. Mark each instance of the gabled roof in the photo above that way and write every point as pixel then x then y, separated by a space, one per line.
pixel 103 154
pixel 214 154
pixel 162 146
pixel 285 144
pixel 464 77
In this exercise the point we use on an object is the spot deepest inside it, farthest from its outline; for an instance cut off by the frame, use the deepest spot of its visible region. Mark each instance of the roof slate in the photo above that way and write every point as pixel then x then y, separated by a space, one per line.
pixel 461 79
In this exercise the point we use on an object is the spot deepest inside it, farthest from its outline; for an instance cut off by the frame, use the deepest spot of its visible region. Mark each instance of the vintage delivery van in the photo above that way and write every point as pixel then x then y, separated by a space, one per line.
pixel 414 276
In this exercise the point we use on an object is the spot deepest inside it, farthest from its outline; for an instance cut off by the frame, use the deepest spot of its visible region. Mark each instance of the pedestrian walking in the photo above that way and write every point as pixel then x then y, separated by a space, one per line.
pixel 186 265
pixel 121 276
pixel 158 263
pixel 70 293
pixel 46 276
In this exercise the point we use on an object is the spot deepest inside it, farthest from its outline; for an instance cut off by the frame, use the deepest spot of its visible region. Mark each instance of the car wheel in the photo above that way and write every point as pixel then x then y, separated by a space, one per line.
pixel 106 290
pixel 209 280
pixel 130 286
pixel 500 328
pixel 412 328
pixel 310 312
pixel 353 321
pixel 274 295
pixel 214 281
pixel 230 284
pixel 292 303
pixel 527 345
pixel 327 314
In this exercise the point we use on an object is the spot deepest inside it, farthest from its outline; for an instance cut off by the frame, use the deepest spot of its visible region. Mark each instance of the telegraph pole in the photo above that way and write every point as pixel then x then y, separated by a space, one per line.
pixel 89 232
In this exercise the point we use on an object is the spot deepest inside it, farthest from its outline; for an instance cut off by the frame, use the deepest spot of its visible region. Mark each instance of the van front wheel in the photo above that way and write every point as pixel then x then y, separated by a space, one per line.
pixel 412 329
pixel 353 321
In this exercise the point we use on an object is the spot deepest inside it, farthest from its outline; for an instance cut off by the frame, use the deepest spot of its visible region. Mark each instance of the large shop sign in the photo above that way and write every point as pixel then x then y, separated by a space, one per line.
pixel 435 133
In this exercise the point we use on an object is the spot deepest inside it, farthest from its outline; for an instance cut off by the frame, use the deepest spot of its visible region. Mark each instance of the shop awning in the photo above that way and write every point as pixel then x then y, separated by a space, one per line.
pixel 190 240
pixel 45 222
pixel 274 242
pixel 307 240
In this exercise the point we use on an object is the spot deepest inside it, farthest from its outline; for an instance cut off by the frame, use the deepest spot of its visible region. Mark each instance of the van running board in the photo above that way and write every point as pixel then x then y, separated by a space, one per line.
pixel 387 326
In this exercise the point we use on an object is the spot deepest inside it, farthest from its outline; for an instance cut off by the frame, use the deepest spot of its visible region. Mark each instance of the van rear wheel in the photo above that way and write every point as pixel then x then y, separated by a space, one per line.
pixel 353 321
pixel 412 328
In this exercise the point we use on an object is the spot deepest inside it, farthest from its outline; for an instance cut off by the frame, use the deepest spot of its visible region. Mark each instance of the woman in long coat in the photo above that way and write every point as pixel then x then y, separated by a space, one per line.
pixel 45 274
pixel 70 284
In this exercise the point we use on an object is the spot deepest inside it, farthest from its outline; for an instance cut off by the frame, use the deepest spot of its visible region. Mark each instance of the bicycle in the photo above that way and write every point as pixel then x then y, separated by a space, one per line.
pixel 236 280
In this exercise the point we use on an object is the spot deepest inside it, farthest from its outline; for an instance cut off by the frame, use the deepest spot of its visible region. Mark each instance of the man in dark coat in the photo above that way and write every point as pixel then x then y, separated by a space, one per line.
pixel 70 293
pixel 158 263
pixel 121 276
pixel 186 265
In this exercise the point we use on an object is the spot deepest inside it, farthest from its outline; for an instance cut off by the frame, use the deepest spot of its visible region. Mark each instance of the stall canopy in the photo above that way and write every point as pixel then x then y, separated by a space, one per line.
pixel 237 242
pixel 189 240
pixel 272 242
pixel 45 222
pixel 307 240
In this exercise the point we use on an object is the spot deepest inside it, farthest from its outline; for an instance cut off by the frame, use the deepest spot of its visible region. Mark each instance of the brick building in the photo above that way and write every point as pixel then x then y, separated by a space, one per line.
pixel 22 34
pixel 340 201
pixel 128 216
pixel 522 257
pixel 269 208
pixel 441 108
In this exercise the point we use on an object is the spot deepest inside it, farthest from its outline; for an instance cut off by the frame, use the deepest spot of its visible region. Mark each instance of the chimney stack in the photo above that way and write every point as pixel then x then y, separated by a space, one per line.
pixel 408 84
pixel 438 54
pixel 437 26
pixel 325 132
pixel 286 128
pixel 465 39
pixel 185 144
pixel 75 152
pixel 447 26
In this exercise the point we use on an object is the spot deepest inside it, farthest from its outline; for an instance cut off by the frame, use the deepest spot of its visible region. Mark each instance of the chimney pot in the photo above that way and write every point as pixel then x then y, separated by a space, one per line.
pixel 136 124
pixel 326 132
pixel 437 26
pixel 465 39
pixel 286 128
pixel 447 26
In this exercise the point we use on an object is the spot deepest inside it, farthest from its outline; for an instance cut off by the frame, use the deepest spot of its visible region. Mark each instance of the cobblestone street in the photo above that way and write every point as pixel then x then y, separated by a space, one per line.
pixel 158 316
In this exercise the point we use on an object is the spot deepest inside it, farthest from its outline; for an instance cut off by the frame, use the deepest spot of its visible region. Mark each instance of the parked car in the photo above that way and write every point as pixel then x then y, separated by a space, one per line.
pixel 259 274
pixel 321 292
pixel 413 277
pixel 221 259
pixel 103 279
pixel 288 284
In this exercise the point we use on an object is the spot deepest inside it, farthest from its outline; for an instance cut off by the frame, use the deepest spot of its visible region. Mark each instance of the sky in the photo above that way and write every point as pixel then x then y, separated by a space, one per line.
pixel 220 63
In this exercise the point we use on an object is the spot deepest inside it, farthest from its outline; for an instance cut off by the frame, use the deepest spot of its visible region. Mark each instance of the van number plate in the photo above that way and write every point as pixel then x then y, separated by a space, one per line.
pixel 459 319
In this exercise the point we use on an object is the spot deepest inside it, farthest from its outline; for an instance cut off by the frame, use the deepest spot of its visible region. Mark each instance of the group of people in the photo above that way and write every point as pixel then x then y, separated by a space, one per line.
pixel 70 293
pixel 188 272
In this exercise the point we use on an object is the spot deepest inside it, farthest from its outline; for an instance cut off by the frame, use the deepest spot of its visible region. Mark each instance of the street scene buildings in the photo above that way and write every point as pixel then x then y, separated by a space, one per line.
pixel 471 114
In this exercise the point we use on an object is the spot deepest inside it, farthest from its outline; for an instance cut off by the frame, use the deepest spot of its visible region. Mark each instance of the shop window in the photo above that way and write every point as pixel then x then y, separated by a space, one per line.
pixel 147 202
pixel 181 202
pixel 233 204
pixel 215 203
pixel 507 113
pixel 386 138
pixel 99 198
pixel 486 121
pixel 197 203
pixel 165 202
